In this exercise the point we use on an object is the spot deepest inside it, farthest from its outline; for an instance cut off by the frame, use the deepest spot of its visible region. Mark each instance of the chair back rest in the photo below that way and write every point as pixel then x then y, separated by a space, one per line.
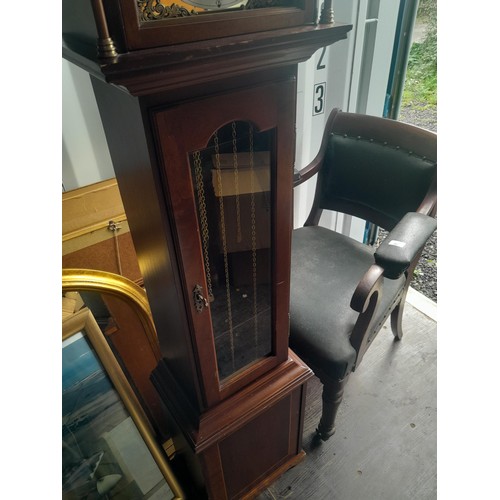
pixel 376 168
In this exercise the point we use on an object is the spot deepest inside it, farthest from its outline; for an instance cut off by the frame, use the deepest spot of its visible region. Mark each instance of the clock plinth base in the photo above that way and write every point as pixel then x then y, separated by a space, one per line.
pixel 243 444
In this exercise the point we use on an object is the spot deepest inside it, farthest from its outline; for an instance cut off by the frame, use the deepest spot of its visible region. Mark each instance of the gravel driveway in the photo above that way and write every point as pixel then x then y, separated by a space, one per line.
pixel 425 278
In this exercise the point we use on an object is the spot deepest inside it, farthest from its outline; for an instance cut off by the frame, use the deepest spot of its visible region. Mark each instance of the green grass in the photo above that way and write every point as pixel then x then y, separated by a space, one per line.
pixel 421 75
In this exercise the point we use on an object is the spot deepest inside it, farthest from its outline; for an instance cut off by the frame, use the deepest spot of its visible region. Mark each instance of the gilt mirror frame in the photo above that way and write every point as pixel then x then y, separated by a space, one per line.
pixel 89 280
pixel 84 321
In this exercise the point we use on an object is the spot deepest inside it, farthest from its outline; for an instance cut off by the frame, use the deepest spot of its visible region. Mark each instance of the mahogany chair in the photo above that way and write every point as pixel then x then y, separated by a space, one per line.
pixel 342 291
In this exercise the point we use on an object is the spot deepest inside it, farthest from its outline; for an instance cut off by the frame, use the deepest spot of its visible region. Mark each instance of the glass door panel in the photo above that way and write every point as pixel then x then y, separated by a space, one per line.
pixel 232 183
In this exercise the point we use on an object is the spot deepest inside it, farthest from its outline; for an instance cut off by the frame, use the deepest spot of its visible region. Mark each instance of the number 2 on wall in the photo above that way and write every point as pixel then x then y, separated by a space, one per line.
pixel 321 64
pixel 319 98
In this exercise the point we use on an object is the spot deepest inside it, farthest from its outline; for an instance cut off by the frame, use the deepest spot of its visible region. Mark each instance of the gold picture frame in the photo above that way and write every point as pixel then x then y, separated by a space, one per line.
pixel 106 432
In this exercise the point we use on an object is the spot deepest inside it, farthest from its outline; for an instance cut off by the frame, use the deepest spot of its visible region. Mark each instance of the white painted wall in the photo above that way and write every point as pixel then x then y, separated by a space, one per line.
pixel 85 154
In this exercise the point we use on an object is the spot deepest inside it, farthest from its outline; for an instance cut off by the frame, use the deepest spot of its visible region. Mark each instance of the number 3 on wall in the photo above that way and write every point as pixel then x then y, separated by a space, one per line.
pixel 319 98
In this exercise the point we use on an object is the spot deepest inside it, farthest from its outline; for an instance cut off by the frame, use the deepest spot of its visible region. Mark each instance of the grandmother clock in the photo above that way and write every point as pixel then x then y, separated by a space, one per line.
pixel 198 106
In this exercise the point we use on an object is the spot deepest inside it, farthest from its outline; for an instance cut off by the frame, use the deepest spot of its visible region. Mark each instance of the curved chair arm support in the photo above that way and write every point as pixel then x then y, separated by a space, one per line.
pixel 365 299
pixel 313 167
pixel 404 243
pixel 370 283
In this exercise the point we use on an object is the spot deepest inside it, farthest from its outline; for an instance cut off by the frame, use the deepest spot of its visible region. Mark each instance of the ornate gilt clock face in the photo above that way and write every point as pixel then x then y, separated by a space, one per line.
pixel 152 10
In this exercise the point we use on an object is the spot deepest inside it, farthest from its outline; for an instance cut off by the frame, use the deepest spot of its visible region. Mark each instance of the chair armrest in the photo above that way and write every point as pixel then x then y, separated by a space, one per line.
pixel 403 243
pixel 313 168
pixel 369 284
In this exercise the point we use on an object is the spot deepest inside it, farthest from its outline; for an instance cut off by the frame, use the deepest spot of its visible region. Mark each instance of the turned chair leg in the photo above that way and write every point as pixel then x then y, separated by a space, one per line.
pixel 333 392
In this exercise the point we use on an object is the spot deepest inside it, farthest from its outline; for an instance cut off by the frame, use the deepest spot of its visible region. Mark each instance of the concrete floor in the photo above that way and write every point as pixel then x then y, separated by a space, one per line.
pixel 385 444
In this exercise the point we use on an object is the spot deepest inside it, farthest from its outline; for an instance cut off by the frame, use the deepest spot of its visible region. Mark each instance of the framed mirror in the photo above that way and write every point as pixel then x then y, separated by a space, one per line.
pixel 110 447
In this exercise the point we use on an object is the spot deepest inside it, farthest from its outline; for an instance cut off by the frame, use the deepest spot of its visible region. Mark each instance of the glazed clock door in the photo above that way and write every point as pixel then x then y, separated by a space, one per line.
pixel 227 162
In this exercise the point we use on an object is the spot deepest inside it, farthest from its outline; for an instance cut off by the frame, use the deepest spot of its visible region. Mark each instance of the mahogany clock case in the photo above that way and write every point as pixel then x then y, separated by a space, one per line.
pixel 255 412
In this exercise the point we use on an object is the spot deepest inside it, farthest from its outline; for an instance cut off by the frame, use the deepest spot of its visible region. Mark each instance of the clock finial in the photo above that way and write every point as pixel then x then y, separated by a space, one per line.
pixel 326 13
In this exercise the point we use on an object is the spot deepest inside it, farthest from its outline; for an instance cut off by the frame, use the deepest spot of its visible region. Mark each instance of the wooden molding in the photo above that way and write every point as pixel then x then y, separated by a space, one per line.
pixel 167 68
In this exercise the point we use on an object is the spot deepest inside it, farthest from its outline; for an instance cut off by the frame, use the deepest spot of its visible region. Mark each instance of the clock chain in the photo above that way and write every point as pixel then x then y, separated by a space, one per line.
pixel 236 184
pixel 200 189
pixel 224 247
pixel 254 238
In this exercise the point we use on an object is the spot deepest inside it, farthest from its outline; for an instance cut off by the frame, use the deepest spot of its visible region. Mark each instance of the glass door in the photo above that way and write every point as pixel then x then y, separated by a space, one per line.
pixel 232 185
